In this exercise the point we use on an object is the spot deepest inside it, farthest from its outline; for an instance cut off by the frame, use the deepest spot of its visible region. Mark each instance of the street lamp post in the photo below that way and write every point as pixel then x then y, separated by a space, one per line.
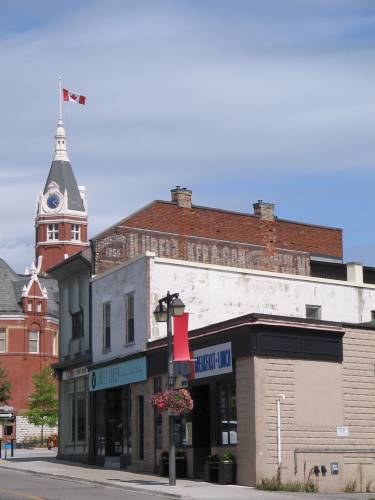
pixel 170 305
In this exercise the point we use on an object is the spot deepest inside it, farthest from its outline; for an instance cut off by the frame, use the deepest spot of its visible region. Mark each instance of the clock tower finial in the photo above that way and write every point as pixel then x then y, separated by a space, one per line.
pixel 60 143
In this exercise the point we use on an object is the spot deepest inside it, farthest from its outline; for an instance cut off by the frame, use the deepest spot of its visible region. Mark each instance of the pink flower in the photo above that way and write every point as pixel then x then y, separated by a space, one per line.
pixel 178 400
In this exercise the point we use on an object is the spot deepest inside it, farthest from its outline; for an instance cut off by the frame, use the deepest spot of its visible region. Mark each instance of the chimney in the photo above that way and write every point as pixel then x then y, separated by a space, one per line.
pixel 181 196
pixel 264 210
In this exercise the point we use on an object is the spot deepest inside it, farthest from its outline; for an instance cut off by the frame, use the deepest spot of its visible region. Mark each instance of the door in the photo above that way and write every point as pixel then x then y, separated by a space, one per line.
pixel 201 427
pixel 114 423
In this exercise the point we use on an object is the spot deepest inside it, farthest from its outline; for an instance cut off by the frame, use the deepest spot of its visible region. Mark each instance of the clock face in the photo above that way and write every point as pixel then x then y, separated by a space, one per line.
pixel 53 201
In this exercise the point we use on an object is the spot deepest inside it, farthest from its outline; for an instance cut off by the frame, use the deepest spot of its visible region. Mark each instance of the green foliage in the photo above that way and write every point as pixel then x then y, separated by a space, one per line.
pixel 4 386
pixel 228 457
pixel 274 484
pixel 43 405
pixel 350 486
pixel 213 459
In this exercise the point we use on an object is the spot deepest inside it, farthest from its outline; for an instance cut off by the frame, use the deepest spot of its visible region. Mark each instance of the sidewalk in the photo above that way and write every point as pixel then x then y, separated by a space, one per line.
pixel 41 462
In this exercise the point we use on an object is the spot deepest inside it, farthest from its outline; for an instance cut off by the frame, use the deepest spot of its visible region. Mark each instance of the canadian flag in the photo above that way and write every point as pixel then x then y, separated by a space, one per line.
pixel 71 96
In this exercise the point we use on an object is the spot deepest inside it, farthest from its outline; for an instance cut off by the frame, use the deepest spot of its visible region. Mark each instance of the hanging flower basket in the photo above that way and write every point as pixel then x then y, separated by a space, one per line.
pixel 177 401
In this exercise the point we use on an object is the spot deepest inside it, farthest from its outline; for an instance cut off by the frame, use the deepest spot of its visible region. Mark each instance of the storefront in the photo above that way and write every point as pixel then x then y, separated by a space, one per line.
pixel 111 395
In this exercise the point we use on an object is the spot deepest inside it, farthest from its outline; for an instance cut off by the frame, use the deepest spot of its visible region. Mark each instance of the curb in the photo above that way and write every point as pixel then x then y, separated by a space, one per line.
pixel 101 483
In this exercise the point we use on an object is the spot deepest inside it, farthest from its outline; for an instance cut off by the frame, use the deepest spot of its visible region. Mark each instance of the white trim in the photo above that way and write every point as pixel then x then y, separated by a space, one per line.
pixel 255 272
pixel 66 242
pixel 70 221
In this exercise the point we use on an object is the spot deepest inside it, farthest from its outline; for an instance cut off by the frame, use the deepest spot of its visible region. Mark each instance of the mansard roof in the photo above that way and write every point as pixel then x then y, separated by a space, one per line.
pixel 61 172
pixel 11 285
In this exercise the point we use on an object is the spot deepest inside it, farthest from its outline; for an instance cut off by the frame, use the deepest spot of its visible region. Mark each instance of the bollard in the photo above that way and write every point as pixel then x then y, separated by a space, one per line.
pixel 12 447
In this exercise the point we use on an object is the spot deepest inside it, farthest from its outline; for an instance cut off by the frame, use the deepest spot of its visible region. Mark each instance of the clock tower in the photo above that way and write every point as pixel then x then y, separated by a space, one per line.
pixel 61 218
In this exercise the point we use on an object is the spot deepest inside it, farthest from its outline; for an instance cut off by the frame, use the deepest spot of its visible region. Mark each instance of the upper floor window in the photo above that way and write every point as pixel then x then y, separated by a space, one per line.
pixel 129 305
pixel 76 232
pixel 77 324
pixel 55 344
pixel 53 232
pixel 3 340
pixel 30 305
pixel 313 312
pixel 107 326
pixel 33 342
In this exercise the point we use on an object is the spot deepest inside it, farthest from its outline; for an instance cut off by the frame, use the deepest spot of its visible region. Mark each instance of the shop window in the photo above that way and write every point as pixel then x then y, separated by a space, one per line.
pixel 127 409
pixel 313 312
pixel 129 305
pixel 8 430
pixel 141 428
pixel 158 418
pixel 227 414
pixel 77 324
pixel 107 326
pixel 183 431
pixel 3 340
pixel 81 417
pixel 33 342
pixel 73 418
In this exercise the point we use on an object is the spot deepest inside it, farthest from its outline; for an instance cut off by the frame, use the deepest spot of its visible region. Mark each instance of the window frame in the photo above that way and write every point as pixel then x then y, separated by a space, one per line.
pixel 315 308
pixel 37 340
pixel 77 324
pixel 129 319
pixel 5 340
pixel 75 232
pixel 52 231
pixel 228 389
pixel 106 326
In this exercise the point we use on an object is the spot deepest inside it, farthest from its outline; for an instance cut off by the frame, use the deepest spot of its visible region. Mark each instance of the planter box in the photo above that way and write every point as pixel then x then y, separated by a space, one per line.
pixel 220 472
pixel 181 467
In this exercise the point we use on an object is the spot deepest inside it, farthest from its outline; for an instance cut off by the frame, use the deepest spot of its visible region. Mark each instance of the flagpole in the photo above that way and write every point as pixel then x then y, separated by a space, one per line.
pixel 60 96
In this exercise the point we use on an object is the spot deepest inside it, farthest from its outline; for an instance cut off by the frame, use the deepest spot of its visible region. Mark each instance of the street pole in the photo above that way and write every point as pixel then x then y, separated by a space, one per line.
pixel 172 446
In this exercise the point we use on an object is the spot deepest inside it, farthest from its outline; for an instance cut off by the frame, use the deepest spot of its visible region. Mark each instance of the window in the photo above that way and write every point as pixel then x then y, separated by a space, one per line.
pixel 30 305
pixel 55 346
pixel 129 318
pixel 76 232
pixel 107 326
pixel 313 312
pixel 39 307
pixel 53 232
pixel 33 342
pixel 81 417
pixel 76 409
pixel 3 340
pixel 227 414
pixel 77 325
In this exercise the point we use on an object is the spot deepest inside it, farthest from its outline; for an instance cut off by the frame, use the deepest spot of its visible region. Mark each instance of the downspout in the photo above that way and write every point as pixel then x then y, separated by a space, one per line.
pixel 278 400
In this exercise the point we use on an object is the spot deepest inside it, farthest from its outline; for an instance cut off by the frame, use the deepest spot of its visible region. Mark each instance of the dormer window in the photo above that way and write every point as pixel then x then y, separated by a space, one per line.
pixel 53 232
pixel 76 232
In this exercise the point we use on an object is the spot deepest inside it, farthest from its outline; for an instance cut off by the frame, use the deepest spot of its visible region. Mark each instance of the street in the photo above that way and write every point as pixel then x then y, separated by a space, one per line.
pixel 16 485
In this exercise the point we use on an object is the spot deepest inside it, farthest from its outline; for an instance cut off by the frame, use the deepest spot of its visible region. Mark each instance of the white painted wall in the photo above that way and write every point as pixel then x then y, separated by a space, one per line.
pixel 212 294
pixel 112 287
pixel 215 293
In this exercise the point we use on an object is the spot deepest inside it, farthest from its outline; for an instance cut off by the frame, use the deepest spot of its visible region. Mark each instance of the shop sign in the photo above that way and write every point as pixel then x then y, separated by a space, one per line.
pixel 123 373
pixel 213 360
pixel 74 373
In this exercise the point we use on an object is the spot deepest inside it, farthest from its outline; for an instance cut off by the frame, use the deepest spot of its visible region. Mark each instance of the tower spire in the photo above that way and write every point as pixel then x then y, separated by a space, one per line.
pixel 60 143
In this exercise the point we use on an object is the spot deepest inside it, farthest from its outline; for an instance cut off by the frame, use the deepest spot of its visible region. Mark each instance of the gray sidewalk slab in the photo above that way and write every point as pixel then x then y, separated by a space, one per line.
pixel 43 462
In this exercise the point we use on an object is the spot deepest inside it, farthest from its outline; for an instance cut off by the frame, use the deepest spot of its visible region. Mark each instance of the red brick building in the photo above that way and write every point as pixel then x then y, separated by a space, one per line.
pixel 178 229
pixel 29 308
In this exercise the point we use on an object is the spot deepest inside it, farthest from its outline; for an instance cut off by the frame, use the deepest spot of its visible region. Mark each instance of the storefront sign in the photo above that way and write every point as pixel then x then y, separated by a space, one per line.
pixel 74 373
pixel 213 360
pixel 123 373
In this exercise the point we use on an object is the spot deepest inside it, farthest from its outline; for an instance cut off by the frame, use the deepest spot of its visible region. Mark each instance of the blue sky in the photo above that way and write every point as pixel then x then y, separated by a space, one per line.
pixel 239 101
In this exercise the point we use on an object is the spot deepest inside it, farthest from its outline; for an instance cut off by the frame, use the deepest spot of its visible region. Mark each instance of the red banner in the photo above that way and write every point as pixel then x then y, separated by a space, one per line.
pixel 180 338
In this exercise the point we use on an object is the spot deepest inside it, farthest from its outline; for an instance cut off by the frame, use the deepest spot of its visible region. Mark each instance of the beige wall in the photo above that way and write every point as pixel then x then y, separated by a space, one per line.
pixel 319 397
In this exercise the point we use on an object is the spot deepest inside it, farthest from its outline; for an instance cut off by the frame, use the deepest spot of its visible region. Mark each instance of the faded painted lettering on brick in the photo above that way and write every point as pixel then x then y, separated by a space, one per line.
pixel 213 360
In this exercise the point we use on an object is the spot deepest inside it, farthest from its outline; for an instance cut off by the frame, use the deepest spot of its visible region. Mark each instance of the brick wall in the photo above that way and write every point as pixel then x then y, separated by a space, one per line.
pixel 217 237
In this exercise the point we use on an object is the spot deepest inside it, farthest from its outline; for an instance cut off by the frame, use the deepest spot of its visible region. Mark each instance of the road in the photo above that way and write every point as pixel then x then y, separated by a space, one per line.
pixel 16 485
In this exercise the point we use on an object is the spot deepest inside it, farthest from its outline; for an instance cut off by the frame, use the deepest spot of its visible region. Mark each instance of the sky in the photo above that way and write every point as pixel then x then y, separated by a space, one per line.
pixel 237 101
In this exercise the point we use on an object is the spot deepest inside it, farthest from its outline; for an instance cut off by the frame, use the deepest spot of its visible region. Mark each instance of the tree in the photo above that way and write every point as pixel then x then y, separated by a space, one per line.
pixel 4 386
pixel 43 405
